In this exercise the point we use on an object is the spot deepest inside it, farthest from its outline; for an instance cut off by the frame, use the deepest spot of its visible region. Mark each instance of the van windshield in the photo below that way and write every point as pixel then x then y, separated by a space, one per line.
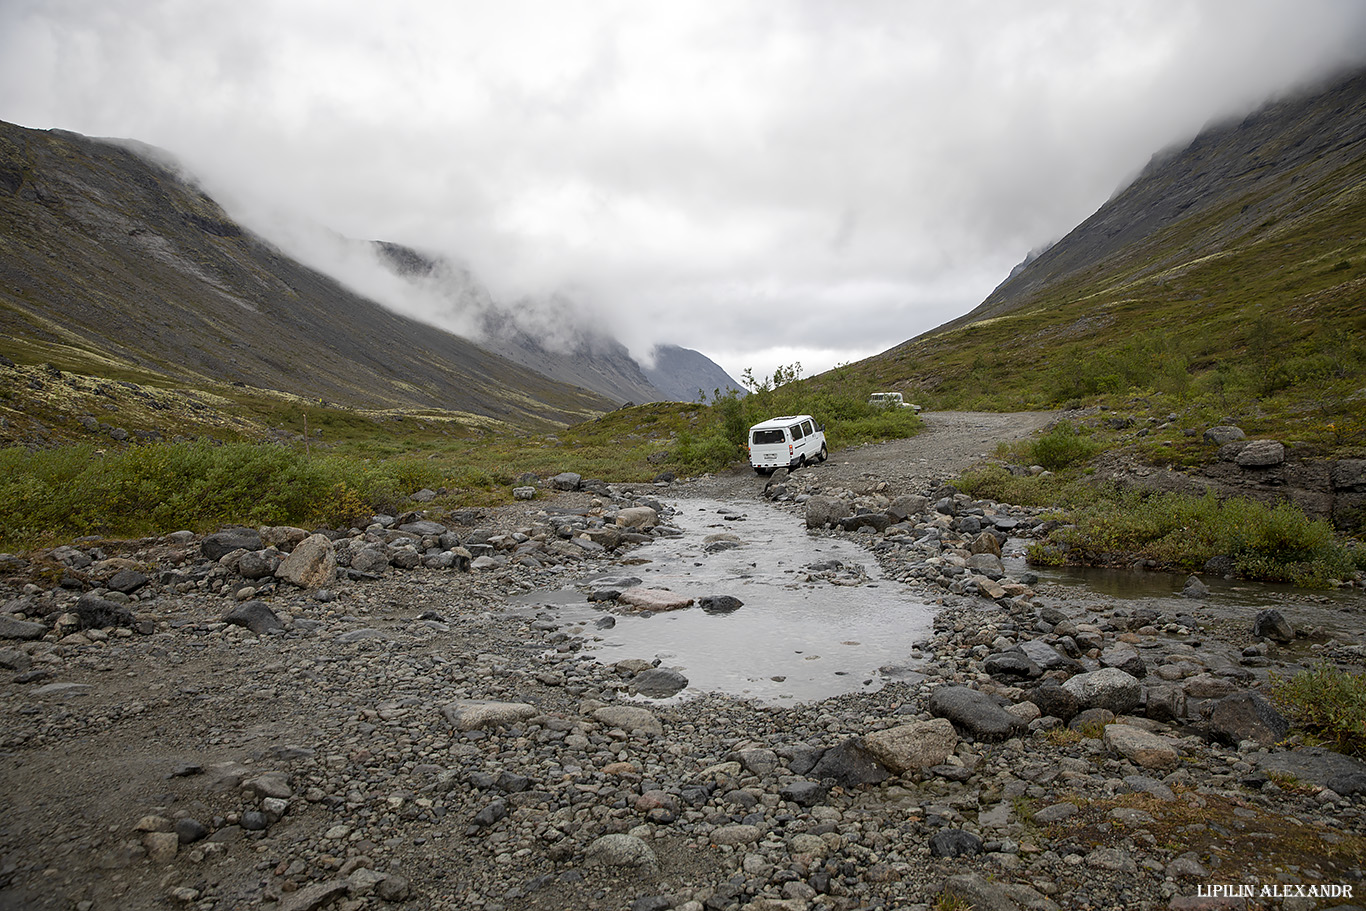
pixel 762 437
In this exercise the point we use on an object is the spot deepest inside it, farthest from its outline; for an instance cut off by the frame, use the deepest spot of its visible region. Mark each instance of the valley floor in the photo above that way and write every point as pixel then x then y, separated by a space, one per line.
pixel 418 742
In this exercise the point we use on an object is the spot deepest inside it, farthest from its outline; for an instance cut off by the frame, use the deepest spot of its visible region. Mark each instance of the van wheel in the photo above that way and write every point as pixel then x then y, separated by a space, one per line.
pixel 801 463
pixel 823 454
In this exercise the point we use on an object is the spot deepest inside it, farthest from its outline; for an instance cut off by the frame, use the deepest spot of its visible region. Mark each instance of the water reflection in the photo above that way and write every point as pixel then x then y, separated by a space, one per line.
pixel 797 638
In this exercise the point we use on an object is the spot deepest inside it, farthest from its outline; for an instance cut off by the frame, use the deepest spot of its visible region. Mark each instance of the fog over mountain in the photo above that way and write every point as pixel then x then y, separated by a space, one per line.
pixel 761 182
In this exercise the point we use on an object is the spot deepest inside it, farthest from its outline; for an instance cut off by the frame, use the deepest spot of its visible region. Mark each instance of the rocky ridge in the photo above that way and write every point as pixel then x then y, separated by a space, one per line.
pixel 403 735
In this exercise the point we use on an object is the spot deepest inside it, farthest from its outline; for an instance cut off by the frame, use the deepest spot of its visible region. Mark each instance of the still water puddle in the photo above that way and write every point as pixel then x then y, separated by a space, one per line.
pixel 797 638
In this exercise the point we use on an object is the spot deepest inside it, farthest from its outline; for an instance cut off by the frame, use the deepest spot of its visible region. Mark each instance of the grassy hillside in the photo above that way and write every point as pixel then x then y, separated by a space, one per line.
pixel 113 265
pixel 1245 300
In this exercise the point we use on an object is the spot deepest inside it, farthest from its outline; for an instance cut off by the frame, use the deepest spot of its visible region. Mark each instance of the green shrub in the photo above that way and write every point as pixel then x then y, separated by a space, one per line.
pixel 1061 447
pixel 78 490
pixel 1328 703
pixel 1269 544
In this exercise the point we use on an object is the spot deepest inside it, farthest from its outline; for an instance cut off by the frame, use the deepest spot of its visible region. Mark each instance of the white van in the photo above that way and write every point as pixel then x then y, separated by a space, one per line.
pixel 789 441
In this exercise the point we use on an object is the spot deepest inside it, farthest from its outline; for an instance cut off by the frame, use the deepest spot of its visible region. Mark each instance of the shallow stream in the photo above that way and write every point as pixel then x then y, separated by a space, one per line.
pixel 799 636
pixel 805 634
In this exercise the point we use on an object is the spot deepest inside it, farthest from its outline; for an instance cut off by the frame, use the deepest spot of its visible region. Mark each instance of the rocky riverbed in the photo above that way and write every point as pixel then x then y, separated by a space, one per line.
pixel 184 731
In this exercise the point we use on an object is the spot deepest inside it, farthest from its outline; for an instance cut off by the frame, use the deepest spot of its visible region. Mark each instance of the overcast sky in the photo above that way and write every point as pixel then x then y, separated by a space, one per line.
pixel 765 181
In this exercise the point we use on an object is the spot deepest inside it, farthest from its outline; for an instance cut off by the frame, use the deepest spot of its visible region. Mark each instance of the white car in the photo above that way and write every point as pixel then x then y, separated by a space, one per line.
pixel 790 441
pixel 890 400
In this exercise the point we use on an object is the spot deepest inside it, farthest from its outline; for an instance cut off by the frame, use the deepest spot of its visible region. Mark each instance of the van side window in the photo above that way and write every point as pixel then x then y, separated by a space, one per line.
pixel 806 426
pixel 796 431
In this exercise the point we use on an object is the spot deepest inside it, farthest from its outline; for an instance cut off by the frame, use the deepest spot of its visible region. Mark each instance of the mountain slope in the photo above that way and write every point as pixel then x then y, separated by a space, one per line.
pixel 110 261
pixel 681 373
pixel 1230 275
pixel 546 337
pixel 549 336
pixel 1234 185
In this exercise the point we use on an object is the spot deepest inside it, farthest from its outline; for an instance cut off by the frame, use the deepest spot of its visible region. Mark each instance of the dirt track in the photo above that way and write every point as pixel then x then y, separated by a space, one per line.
pixel 951 442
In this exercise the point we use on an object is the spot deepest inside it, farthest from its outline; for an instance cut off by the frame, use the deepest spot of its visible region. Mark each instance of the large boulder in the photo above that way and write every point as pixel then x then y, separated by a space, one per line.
pixel 1247 715
pixel 470 716
pixel 629 718
pixel 1108 688
pixel 658 682
pixel 1271 624
pixel 850 764
pixel 973 712
pixel 97 613
pixel 312 564
pixel 654 599
pixel 566 480
pixel 222 543
pixel 1151 751
pixel 823 510
pixel 255 616
pixel 642 517
pixel 1222 435
pixel 913 746
pixel 1260 454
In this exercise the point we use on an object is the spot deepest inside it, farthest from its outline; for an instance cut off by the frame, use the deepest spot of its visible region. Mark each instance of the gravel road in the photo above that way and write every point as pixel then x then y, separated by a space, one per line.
pixel 951 442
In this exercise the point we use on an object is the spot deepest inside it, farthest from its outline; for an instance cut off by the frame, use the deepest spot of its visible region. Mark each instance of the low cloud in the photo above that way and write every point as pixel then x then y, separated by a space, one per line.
pixel 740 178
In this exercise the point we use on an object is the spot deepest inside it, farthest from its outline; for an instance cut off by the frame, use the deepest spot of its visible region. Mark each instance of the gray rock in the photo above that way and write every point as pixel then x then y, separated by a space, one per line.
pixel 972 711
pixel 470 716
pixel 979 893
pixel 1166 703
pixel 371 559
pixel 423 527
pixel 1124 656
pixel 719 604
pixel 314 896
pixel 1053 700
pixel 1316 765
pixel 566 480
pixel 1223 434
pixel 1108 688
pixel 1055 813
pixel 1349 475
pixel 913 746
pixel 850 764
pixel 524 493
pixel 255 616
pixel 126 581
pixel 1145 749
pixel 954 843
pixel 658 682
pixel 629 718
pixel 258 564
pixel 823 510
pixel 27 630
pixel 758 761
pixel 312 563
pixel 1270 624
pixel 1261 454
pixel 97 613
pixel 1247 716
pixel 1012 663
pixel 803 792
pixel 620 850
pixel 1047 657
pixel 988 565
pixel 1195 589
pixel 222 543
